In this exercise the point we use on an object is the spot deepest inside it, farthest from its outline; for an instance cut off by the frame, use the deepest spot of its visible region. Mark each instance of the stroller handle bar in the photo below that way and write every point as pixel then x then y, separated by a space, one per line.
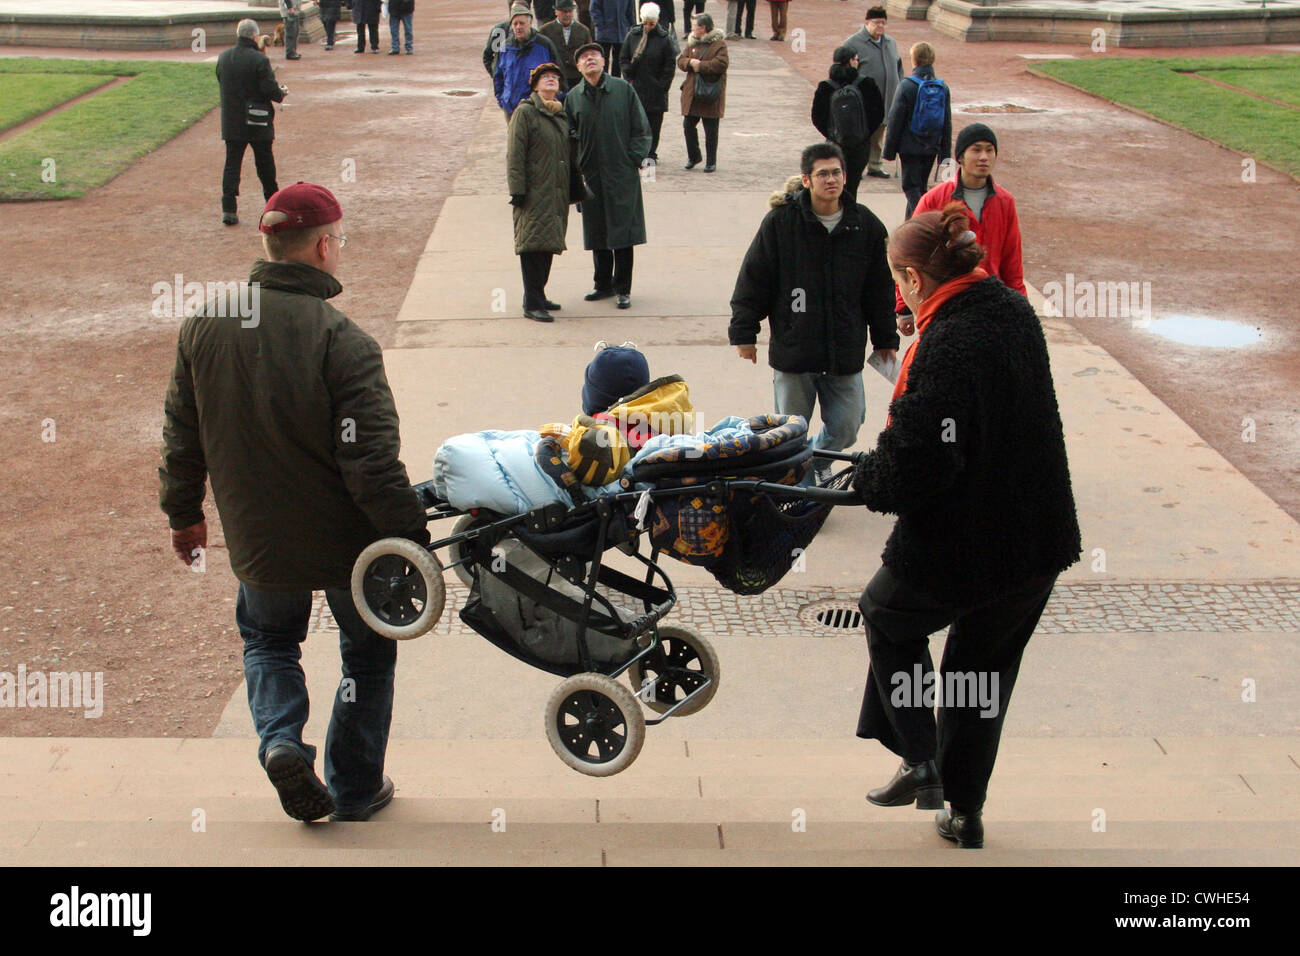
pixel 830 496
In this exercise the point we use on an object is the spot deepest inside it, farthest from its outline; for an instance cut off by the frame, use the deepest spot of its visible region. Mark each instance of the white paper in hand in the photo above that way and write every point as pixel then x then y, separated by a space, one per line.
pixel 886 367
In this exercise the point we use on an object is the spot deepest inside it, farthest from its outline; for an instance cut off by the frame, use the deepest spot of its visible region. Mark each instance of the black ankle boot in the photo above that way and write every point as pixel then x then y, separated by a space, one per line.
pixel 964 829
pixel 919 782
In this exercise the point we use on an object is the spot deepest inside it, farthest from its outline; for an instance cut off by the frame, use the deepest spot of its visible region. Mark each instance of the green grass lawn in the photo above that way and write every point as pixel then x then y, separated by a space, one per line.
pixel 101 136
pixel 24 95
pixel 1166 88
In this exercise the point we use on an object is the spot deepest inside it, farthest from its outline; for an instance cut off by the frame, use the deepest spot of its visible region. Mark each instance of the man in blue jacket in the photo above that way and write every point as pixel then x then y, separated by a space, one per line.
pixel 612 19
pixel 520 55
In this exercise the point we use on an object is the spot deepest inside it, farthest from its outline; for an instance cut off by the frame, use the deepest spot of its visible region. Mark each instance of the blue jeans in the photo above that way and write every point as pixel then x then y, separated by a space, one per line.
pixel 274 626
pixel 395 29
pixel 843 404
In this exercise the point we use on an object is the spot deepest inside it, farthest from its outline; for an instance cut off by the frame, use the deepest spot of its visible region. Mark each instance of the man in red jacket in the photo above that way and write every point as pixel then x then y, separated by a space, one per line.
pixel 997 227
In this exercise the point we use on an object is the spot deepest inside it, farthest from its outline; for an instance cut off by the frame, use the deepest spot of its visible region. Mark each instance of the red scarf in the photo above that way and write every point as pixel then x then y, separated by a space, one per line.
pixel 926 313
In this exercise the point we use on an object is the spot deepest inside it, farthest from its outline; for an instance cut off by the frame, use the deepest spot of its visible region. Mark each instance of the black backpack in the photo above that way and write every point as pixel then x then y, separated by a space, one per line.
pixel 848 119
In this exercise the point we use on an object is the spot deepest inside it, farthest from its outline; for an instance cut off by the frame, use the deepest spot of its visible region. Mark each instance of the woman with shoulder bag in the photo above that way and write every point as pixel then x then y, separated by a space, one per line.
pixel 704 92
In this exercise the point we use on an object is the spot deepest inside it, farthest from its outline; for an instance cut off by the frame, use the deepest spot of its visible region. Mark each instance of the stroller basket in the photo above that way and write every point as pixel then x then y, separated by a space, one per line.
pixel 768 537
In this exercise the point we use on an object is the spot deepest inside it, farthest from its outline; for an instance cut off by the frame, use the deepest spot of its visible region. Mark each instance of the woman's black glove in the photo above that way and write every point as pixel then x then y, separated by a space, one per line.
pixel 517 199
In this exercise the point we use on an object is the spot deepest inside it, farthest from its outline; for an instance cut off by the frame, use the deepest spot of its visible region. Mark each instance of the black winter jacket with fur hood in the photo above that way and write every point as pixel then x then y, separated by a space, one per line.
pixel 822 293
pixel 973 461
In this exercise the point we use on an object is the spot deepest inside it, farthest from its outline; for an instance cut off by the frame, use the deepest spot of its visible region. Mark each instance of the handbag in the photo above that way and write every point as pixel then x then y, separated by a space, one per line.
pixel 708 90
pixel 257 114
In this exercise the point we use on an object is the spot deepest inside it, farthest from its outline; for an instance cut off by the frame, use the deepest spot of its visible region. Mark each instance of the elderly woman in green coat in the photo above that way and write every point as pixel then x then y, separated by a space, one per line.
pixel 538 169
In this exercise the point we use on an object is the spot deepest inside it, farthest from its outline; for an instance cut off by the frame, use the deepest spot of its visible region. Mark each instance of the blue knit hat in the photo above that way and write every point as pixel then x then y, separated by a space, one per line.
pixel 617 370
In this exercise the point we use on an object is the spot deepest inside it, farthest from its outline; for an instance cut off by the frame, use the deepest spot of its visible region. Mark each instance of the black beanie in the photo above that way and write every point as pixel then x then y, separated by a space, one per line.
pixel 974 133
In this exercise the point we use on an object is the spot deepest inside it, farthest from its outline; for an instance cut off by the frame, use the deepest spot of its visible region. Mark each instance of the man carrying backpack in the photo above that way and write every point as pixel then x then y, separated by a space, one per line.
pixel 920 125
pixel 847 109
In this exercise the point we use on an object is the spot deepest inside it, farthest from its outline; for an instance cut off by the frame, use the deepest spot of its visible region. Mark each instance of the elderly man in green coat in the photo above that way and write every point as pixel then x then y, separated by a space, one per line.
pixel 613 140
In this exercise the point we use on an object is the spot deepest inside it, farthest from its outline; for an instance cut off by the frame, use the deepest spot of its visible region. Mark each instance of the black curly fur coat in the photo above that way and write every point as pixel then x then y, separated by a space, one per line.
pixel 973 461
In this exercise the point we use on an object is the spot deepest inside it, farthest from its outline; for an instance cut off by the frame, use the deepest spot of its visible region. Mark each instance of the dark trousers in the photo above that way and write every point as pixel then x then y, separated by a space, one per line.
pixel 262 158
pixel 612 51
pixel 330 27
pixel 656 124
pixel 613 269
pixel 916 176
pixel 984 640
pixel 667 14
pixel 689 9
pixel 855 158
pixel 745 9
pixel 691 125
pixel 373 26
pixel 536 267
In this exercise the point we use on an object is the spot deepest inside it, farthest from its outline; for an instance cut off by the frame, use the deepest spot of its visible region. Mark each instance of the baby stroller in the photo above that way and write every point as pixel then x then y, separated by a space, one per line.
pixel 542 591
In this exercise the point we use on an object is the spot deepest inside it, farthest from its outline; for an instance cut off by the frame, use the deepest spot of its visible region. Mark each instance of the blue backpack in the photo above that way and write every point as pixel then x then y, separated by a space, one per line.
pixel 929 110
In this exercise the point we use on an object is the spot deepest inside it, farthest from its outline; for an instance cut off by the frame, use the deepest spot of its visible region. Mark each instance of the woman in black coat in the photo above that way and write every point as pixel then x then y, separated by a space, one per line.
pixel 972 460
pixel 856 148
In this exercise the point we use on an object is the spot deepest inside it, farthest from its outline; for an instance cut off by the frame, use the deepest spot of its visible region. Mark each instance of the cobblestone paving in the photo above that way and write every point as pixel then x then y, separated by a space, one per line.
pixel 1073 609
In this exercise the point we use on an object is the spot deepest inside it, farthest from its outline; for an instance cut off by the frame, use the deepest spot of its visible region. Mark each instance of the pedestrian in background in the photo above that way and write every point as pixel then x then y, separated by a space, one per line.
pixel 330 11
pixel 291 13
pixel 878 58
pixel 780 13
pixel 689 9
pixel 365 14
pixel 566 36
pixel 613 139
pixel 847 109
pixel 522 52
pixel 920 127
pixel 401 13
pixel 248 90
pixel 539 175
pixel 973 462
pixel 704 91
pixel 543 12
pixel 613 18
pixel 649 59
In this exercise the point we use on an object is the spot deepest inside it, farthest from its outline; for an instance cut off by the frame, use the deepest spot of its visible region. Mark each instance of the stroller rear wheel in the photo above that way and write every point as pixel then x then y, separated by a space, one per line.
pixel 674 669
pixel 594 724
pixel 398 589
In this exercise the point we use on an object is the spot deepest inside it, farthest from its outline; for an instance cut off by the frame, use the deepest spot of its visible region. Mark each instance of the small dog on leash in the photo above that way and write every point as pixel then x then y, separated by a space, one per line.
pixel 263 41
pixel 279 35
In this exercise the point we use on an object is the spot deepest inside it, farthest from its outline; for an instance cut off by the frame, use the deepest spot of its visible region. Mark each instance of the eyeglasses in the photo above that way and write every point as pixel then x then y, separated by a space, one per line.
pixel 828 174
pixel 343 240
pixel 876 23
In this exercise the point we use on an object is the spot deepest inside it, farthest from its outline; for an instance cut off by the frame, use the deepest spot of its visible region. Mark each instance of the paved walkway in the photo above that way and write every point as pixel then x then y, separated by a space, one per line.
pixel 1130 700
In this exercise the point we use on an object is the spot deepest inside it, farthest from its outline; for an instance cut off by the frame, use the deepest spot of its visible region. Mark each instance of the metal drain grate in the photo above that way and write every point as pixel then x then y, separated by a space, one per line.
pixel 834 616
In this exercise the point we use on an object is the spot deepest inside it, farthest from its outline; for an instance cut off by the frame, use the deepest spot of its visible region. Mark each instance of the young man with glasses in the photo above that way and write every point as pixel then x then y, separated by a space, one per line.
pixel 286 409
pixel 817 271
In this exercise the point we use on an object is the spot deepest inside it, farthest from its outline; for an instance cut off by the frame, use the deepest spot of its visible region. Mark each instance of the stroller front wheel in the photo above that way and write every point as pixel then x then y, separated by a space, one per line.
pixel 398 589
pixel 675 669
pixel 594 725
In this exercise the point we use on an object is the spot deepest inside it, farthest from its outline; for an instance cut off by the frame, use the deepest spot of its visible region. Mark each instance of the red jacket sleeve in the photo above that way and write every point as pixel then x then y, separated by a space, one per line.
pixel 1010 269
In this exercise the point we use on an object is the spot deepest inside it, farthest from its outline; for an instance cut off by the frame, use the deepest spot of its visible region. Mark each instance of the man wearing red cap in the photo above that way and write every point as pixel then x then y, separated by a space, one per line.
pixel 288 412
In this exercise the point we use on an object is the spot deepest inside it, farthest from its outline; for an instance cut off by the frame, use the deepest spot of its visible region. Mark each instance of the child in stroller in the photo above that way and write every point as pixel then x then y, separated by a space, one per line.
pixel 541 590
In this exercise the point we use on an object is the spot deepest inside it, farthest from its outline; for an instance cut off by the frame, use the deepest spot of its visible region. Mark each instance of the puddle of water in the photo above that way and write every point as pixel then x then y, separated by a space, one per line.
pixel 1204 331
